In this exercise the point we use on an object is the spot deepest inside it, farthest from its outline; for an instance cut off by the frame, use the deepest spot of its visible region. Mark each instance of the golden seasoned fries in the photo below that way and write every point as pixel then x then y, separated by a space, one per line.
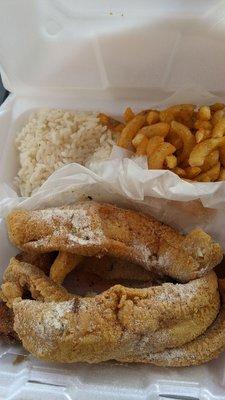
pixel 117 128
pixel 200 124
pixel 203 149
pixel 171 113
pixel 144 113
pixel 157 159
pixel 211 175
pixel 152 117
pixel 210 160
pixel 128 114
pixel 174 140
pixel 217 106
pixel 130 130
pixel 104 119
pixel 219 129
pixel 186 139
pixel 171 161
pixel 137 139
pixel 204 113
pixel 202 134
pixel 153 144
pixel 111 123
pixel 142 147
pixel 192 172
pixel 217 116
pixel 158 129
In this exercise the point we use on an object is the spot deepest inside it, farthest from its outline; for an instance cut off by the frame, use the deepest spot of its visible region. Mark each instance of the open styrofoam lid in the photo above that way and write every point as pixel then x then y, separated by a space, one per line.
pixel 117 46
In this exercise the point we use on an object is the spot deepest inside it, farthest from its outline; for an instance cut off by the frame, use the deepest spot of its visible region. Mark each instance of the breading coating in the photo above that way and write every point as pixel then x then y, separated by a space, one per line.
pixel 121 323
pixel 93 229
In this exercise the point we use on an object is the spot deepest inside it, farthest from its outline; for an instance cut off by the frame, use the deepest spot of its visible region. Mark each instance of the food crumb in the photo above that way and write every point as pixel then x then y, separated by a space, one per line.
pixel 19 359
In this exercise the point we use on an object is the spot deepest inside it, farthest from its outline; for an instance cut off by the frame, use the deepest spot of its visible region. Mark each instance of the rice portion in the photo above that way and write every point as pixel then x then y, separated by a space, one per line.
pixel 52 138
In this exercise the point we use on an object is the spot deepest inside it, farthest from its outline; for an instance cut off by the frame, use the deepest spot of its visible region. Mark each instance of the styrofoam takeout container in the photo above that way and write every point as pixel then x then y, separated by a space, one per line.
pixel 103 55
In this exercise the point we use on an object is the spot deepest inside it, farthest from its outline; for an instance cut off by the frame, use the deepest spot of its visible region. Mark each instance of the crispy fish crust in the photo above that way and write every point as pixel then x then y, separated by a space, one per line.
pixel 42 261
pixel 93 229
pixel 122 323
pixel 6 324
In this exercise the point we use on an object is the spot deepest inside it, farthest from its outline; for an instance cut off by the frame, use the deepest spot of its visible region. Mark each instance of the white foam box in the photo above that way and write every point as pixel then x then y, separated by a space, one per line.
pixel 103 55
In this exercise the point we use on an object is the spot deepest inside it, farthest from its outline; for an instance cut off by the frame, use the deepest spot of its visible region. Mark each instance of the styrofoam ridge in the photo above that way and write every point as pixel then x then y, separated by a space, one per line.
pixel 24 377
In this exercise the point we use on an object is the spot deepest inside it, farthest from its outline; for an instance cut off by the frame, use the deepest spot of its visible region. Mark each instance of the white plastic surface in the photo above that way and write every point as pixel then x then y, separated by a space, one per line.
pixel 103 55
pixel 131 49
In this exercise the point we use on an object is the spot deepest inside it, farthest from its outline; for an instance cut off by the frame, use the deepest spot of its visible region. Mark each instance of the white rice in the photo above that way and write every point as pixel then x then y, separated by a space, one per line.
pixel 53 138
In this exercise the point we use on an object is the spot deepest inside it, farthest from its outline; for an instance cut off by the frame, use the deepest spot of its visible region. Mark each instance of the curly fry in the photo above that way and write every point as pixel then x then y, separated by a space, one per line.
pixel 137 139
pixel 203 149
pixel 211 175
pixel 175 140
pixel 219 129
pixel 173 112
pixel 217 106
pixel 153 143
pixel 210 160
pixel 204 113
pixel 192 172
pixel 159 129
pixel 157 159
pixel 217 116
pixel 171 161
pixel 187 138
pixel 128 114
pixel 200 124
pixel 111 123
pixel 153 117
pixel 202 134
pixel 130 130
pixel 144 113
pixel 186 117
pixel 142 147
pixel 118 128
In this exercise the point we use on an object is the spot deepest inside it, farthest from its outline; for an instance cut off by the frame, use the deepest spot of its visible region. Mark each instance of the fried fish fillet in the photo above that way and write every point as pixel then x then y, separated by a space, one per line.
pixel 95 275
pixel 204 348
pixel 94 229
pixel 121 323
pixel 6 324
pixel 111 268
pixel 42 261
